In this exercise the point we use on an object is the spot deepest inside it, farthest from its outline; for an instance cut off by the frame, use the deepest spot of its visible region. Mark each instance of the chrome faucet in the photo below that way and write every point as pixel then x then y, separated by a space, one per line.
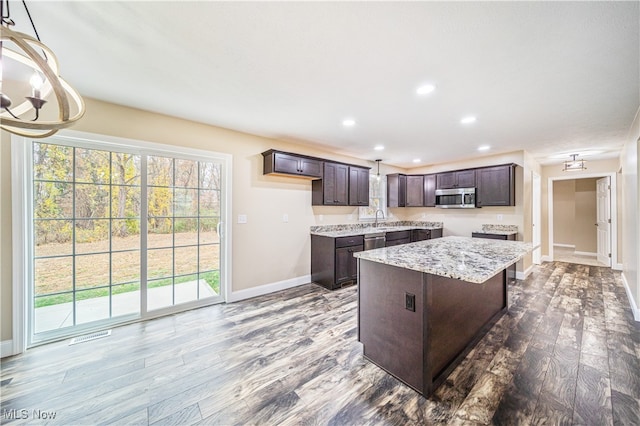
pixel 376 222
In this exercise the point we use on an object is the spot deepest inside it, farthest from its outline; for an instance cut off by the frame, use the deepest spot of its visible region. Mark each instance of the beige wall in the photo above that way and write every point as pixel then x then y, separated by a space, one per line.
pixel 555 172
pixel 586 239
pixel 630 216
pixel 564 212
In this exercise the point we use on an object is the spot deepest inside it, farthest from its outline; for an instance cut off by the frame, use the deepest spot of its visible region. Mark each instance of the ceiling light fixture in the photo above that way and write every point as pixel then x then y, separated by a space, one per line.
pixel 426 89
pixel 468 120
pixel 349 122
pixel 574 165
pixel 23 49
pixel 379 148
pixel 416 160
pixel 484 148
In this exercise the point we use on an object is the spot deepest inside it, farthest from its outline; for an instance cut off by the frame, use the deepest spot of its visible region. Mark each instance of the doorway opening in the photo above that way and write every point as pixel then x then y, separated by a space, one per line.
pixel 582 219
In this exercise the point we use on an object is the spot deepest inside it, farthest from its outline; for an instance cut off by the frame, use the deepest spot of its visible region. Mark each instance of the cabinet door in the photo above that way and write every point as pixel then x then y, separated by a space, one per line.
pixel 335 184
pixel 420 235
pixel 310 167
pixel 358 186
pixel 346 264
pixel 285 163
pixel 496 186
pixel 466 179
pixel 396 190
pixel 430 190
pixel 446 180
pixel 415 191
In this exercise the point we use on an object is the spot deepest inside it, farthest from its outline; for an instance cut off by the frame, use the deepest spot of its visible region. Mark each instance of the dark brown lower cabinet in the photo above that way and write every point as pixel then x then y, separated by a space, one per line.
pixel 418 326
pixel 425 234
pixel 332 263
pixel 511 270
pixel 396 238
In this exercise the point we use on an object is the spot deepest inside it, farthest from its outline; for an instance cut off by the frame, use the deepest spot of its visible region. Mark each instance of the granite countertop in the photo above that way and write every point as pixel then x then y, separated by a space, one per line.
pixel 336 231
pixel 497 232
pixel 469 259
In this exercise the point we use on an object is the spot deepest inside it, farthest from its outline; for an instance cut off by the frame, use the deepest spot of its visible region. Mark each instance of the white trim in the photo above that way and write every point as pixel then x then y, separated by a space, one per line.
pixel 546 258
pixel 617 266
pixel 632 302
pixel 235 296
pixel 6 348
pixel 564 245
pixel 614 208
pixel 525 274
pixel 19 228
pixel 586 253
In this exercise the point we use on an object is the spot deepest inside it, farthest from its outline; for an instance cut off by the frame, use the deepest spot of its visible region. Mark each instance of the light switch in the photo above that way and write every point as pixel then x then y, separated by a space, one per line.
pixel 242 218
pixel 285 218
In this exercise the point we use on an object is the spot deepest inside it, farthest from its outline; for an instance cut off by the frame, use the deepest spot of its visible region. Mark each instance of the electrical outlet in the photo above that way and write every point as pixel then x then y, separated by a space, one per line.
pixel 285 218
pixel 410 302
pixel 350 217
pixel 242 218
pixel 320 217
pixel 499 217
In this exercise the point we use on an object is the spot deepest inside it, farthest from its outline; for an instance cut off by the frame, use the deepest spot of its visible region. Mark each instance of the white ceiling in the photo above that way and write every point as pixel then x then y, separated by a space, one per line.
pixel 547 77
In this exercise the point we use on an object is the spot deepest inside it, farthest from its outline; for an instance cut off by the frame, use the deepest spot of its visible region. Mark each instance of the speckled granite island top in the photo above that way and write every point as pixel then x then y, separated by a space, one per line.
pixel 469 259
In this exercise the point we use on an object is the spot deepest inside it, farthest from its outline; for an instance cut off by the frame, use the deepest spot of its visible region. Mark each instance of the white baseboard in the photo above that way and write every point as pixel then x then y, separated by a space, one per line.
pixel 616 266
pixel 564 245
pixel 546 258
pixel 525 274
pixel 268 288
pixel 585 253
pixel 632 301
pixel 6 348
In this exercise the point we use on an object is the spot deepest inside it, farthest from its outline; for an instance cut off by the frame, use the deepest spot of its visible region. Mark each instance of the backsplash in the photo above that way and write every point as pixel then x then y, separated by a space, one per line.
pixel 499 228
pixel 354 226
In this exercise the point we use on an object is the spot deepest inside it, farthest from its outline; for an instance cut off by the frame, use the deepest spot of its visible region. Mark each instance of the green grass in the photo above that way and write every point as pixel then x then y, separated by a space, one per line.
pixel 212 278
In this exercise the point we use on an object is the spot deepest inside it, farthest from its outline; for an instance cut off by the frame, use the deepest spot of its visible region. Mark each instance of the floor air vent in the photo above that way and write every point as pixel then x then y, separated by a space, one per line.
pixel 88 337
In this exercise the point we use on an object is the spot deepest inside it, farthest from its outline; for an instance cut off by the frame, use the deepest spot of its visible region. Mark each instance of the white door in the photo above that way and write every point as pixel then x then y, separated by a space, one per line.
pixel 536 218
pixel 603 220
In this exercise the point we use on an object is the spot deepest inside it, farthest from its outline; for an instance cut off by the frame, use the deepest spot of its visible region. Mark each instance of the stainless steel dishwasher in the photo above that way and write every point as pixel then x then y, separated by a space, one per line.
pixel 374 240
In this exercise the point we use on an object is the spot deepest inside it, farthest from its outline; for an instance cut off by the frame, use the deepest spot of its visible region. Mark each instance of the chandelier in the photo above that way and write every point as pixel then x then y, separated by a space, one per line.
pixel 26 52
pixel 574 165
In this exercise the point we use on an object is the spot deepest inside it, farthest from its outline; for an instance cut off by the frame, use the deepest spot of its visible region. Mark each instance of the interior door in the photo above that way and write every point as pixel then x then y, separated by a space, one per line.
pixel 603 220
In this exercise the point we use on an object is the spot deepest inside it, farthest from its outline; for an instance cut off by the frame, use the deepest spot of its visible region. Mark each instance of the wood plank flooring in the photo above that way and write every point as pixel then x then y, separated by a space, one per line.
pixel 567 352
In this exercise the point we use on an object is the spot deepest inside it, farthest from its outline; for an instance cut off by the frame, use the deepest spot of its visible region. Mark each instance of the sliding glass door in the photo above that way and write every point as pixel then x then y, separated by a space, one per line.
pixel 121 233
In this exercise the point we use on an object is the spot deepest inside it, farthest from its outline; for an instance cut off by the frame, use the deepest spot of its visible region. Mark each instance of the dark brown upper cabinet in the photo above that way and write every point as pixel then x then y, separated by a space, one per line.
pixel 496 186
pixel 291 164
pixel 333 188
pixel 396 190
pixel 358 186
pixel 456 179
pixel 415 191
pixel 429 190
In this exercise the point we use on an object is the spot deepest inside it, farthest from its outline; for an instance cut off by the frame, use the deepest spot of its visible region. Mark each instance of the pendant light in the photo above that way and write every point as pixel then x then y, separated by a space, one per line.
pixel 24 118
pixel 378 174
pixel 574 165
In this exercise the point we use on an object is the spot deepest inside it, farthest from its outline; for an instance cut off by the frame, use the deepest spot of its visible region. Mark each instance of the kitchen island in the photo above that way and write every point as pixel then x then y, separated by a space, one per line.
pixel 423 306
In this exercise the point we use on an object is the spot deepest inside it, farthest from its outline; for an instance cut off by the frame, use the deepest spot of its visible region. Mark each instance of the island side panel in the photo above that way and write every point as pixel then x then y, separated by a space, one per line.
pixel 391 335
pixel 459 313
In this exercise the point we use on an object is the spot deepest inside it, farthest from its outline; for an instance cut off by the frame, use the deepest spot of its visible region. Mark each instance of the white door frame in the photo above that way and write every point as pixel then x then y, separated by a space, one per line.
pixel 536 206
pixel 603 223
pixel 21 207
pixel 614 211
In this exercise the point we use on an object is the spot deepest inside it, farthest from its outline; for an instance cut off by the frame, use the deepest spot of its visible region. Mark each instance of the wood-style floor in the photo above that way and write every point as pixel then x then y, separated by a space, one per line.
pixel 568 352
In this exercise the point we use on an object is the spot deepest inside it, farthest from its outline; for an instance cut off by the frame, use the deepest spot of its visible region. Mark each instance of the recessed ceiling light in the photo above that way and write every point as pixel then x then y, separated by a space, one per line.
pixel 349 122
pixel 484 148
pixel 379 148
pixel 468 120
pixel 416 160
pixel 426 89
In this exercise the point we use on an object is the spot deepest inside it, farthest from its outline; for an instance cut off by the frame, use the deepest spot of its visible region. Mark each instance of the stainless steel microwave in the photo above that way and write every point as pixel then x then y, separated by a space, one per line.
pixel 456 198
